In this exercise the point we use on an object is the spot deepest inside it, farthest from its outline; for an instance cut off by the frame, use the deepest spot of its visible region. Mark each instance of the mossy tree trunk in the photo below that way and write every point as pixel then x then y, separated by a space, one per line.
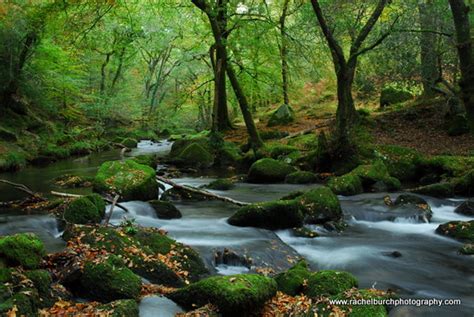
pixel 428 53
pixel 284 53
pixel 460 13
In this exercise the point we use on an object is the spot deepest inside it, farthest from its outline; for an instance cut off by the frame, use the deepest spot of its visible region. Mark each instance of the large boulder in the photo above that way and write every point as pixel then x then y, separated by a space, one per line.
pixel 327 283
pixel 22 249
pixel 273 215
pixel 195 155
pixel 301 177
pixel 110 280
pixel 459 230
pixel 292 282
pixel 283 115
pixel 221 184
pixel 320 205
pixel 85 210
pixel 268 170
pixel 466 208
pixel 17 294
pixel 143 249
pixel 346 185
pixel 411 203
pixel 391 95
pixel 234 295
pixel 165 209
pixel 132 181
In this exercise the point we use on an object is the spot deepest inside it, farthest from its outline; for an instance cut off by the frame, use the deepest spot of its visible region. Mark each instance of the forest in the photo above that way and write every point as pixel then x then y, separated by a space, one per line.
pixel 287 158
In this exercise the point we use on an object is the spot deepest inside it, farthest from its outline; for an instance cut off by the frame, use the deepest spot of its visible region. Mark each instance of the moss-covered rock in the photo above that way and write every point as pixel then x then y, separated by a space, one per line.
pixel 346 185
pixel 85 210
pixel 440 190
pixel 195 155
pixel 229 154
pixel 26 301
pixel 268 170
pixel 22 249
pixel 327 283
pixel 234 295
pixel 466 208
pixel 459 230
pixel 42 281
pixel 391 96
pixel 121 308
pixel 283 115
pixel 269 215
pixel 293 281
pixel 320 205
pixel 165 209
pixel 129 142
pixel 132 181
pixel 467 249
pixel 221 184
pixel 464 185
pixel 402 163
pixel 110 280
pixel 301 177
pixel 148 160
pixel 362 310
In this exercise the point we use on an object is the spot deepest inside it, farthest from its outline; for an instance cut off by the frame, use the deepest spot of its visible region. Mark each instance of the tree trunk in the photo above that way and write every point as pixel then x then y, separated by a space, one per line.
pixel 221 116
pixel 464 45
pixel 284 54
pixel 346 113
pixel 254 137
pixel 429 57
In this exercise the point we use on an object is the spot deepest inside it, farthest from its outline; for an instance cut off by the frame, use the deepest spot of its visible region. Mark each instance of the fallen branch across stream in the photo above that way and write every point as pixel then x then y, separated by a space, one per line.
pixel 201 192
pixel 22 188
pixel 68 195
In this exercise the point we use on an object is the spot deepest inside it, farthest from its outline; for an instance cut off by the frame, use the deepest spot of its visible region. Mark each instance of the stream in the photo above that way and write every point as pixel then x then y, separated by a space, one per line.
pixel 429 265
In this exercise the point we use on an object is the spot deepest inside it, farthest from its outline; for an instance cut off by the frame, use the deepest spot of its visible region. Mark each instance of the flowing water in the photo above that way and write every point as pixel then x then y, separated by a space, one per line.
pixel 429 265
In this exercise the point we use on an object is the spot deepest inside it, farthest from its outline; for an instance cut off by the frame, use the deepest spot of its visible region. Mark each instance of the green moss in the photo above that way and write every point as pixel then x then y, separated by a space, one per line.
pixel 195 155
pixel 236 294
pixel 165 209
pixel 304 142
pixel 301 177
pixel 320 205
pixel 268 170
pixel 278 150
pixel 467 249
pixel 401 162
pixel 391 95
pixel 229 154
pixel 221 184
pixel 22 249
pixel 98 201
pixel 180 144
pixel 327 283
pixel 292 282
pixel 81 148
pixel 129 142
pixel 121 308
pixel 82 210
pixel 42 281
pixel 363 310
pixel 347 185
pixel 26 302
pixel 110 280
pixel 148 160
pixel 270 215
pixel 459 230
pixel 273 134
pixel 131 180
pixel 155 241
pixel 464 185
pixel 12 161
pixel 440 190
pixel 283 115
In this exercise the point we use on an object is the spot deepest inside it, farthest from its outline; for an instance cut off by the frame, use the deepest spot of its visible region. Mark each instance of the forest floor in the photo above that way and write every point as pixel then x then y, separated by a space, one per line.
pixel 418 124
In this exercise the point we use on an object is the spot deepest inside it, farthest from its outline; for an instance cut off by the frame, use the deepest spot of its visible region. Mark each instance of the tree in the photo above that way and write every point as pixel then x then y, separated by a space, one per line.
pixel 217 16
pixel 460 12
pixel 284 52
pixel 345 67
pixel 429 58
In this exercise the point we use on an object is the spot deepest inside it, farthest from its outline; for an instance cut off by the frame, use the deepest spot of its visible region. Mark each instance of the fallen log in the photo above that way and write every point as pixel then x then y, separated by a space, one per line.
pixel 306 131
pixel 201 192
pixel 68 195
